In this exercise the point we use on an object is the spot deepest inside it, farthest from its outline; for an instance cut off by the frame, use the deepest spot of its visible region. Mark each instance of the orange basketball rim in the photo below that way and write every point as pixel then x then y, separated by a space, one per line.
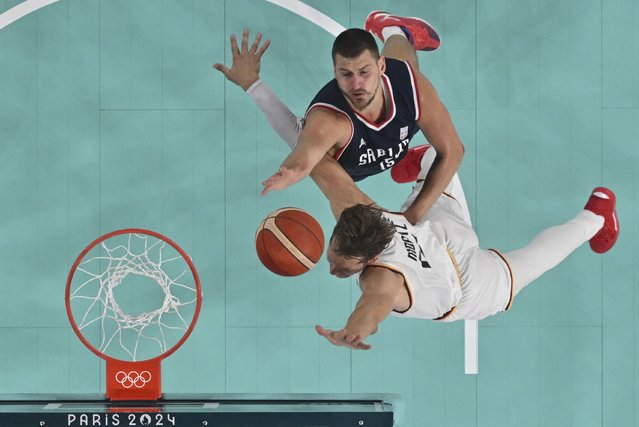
pixel 94 281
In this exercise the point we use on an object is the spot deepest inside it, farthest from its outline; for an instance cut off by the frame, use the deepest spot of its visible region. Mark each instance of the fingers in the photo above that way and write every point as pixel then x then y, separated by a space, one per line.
pixel 332 336
pixel 328 332
pixel 245 35
pixel 268 185
pixel 234 49
pixel 272 182
pixel 342 338
pixel 222 69
pixel 321 331
pixel 352 339
pixel 355 342
pixel 256 42
pixel 263 48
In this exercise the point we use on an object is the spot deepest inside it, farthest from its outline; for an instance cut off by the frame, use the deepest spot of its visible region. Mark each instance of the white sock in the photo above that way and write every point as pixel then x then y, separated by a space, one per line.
pixel 392 31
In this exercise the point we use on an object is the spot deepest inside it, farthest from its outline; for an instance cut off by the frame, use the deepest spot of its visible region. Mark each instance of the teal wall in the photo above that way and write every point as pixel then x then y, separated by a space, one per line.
pixel 111 116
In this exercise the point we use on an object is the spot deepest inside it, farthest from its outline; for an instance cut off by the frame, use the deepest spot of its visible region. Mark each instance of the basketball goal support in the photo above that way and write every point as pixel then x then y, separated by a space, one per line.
pixel 471 347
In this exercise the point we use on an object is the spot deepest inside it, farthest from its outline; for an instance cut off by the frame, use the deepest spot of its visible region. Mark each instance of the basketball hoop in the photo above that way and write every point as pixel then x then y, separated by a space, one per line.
pixel 139 271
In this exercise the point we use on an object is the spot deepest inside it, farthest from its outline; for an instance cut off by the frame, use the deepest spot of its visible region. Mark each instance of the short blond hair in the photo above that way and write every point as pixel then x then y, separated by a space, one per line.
pixel 362 232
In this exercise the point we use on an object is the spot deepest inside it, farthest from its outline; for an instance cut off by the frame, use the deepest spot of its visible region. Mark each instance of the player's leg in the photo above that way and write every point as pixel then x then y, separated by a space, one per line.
pixel 424 156
pixel 398 47
pixel 402 35
pixel 419 160
pixel 597 223
pixel 414 167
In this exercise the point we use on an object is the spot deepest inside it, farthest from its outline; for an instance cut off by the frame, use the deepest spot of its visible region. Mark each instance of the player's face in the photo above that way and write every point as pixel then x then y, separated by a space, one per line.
pixel 359 78
pixel 343 267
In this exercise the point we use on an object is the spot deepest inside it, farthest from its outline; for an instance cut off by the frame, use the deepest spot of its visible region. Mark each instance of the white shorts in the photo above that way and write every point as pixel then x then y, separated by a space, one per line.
pixel 486 279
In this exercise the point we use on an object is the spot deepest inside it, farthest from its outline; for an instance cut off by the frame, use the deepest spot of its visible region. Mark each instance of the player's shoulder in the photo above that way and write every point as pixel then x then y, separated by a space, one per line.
pixel 326 114
pixel 402 67
pixel 398 67
pixel 378 276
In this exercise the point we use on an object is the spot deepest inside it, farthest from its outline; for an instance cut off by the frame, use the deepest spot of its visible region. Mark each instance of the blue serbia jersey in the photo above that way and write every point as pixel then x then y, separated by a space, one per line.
pixel 374 148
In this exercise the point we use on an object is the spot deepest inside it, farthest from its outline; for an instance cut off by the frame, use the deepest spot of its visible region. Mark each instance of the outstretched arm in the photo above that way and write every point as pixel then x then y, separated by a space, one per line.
pixel 437 126
pixel 380 289
pixel 338 187
pixel 324 132
pixel 245 72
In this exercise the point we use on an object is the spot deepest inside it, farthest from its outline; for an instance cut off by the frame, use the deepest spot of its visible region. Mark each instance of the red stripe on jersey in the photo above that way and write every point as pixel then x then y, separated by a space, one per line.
pixel 418 110
pixel 389 89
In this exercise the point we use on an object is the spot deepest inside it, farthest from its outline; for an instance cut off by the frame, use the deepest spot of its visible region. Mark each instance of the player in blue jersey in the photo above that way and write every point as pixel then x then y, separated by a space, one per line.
pixel 366 116
pixel 435 270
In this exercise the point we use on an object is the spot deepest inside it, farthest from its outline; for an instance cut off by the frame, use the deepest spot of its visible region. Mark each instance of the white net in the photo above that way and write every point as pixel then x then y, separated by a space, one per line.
pixel 133 296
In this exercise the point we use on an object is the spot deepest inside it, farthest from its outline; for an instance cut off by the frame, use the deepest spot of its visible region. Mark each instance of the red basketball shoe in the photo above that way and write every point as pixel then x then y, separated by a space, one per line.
pixel 420 33
pixel 409 167
pixel 603 202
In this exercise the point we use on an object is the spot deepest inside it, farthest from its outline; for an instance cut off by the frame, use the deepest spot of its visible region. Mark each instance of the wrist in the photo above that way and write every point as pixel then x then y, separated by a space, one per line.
pixel 251 87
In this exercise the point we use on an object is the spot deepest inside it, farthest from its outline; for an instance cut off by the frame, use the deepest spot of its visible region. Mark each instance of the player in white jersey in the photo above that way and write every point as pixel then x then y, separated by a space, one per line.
pixel 435 269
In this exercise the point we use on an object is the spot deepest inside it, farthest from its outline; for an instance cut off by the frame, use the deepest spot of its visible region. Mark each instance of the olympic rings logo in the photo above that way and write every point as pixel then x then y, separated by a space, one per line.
pixel 133 379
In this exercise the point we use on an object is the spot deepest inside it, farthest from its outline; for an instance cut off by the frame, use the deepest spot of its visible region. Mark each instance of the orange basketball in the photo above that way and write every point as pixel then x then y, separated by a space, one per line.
pixel 289 242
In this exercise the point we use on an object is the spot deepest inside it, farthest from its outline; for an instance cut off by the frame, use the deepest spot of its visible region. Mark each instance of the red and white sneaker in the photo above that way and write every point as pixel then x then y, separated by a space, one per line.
pixel 409 167
pixel 420 33
pixel 603 202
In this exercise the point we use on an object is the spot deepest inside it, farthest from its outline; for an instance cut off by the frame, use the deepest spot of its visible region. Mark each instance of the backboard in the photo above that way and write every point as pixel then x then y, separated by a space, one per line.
pixel 181 410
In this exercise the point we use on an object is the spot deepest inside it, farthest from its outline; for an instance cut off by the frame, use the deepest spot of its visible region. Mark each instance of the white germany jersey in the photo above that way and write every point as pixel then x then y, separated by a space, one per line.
pixel 430 274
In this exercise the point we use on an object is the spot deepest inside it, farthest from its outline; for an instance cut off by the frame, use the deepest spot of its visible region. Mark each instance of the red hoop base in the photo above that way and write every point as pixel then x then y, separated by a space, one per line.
pixel 133 380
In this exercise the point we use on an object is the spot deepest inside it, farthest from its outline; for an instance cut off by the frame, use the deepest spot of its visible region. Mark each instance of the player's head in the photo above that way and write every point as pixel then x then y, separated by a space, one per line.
pixel 360 235
pixel 353 42
pixel 358 66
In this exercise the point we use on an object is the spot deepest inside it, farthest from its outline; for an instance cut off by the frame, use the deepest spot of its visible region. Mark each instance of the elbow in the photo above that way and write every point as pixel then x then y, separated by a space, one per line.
pixel 459 152
pixel 452 155
pixel 456 154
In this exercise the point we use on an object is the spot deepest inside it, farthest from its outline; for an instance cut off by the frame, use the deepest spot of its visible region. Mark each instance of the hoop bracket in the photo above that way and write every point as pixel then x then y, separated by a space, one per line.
pixel 133 380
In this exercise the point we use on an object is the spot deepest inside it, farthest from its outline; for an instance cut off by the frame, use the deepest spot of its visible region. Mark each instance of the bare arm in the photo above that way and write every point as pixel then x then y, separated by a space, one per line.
pixel 380 290
pixel 324 132
pixel 338 187
pixel 437 126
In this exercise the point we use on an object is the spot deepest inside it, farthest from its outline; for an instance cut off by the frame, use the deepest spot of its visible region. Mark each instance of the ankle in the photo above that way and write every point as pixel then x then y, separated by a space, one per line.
pixel 388 32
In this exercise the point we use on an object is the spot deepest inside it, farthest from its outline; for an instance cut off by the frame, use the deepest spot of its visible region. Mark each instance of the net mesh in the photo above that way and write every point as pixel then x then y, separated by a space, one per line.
pixel 133 296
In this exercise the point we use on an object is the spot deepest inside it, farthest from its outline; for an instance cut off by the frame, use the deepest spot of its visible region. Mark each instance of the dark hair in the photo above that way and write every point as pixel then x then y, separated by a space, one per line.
pixel 362 232
pixel 353 42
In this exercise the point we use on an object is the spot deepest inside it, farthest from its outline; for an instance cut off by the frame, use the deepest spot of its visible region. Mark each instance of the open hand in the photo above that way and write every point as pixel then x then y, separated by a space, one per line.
pixel 245 69
pixel 282 179
pixel 343 338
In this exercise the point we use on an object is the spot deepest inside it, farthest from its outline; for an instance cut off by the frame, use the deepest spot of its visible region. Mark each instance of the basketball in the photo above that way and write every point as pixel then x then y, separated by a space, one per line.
pixel 289 242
